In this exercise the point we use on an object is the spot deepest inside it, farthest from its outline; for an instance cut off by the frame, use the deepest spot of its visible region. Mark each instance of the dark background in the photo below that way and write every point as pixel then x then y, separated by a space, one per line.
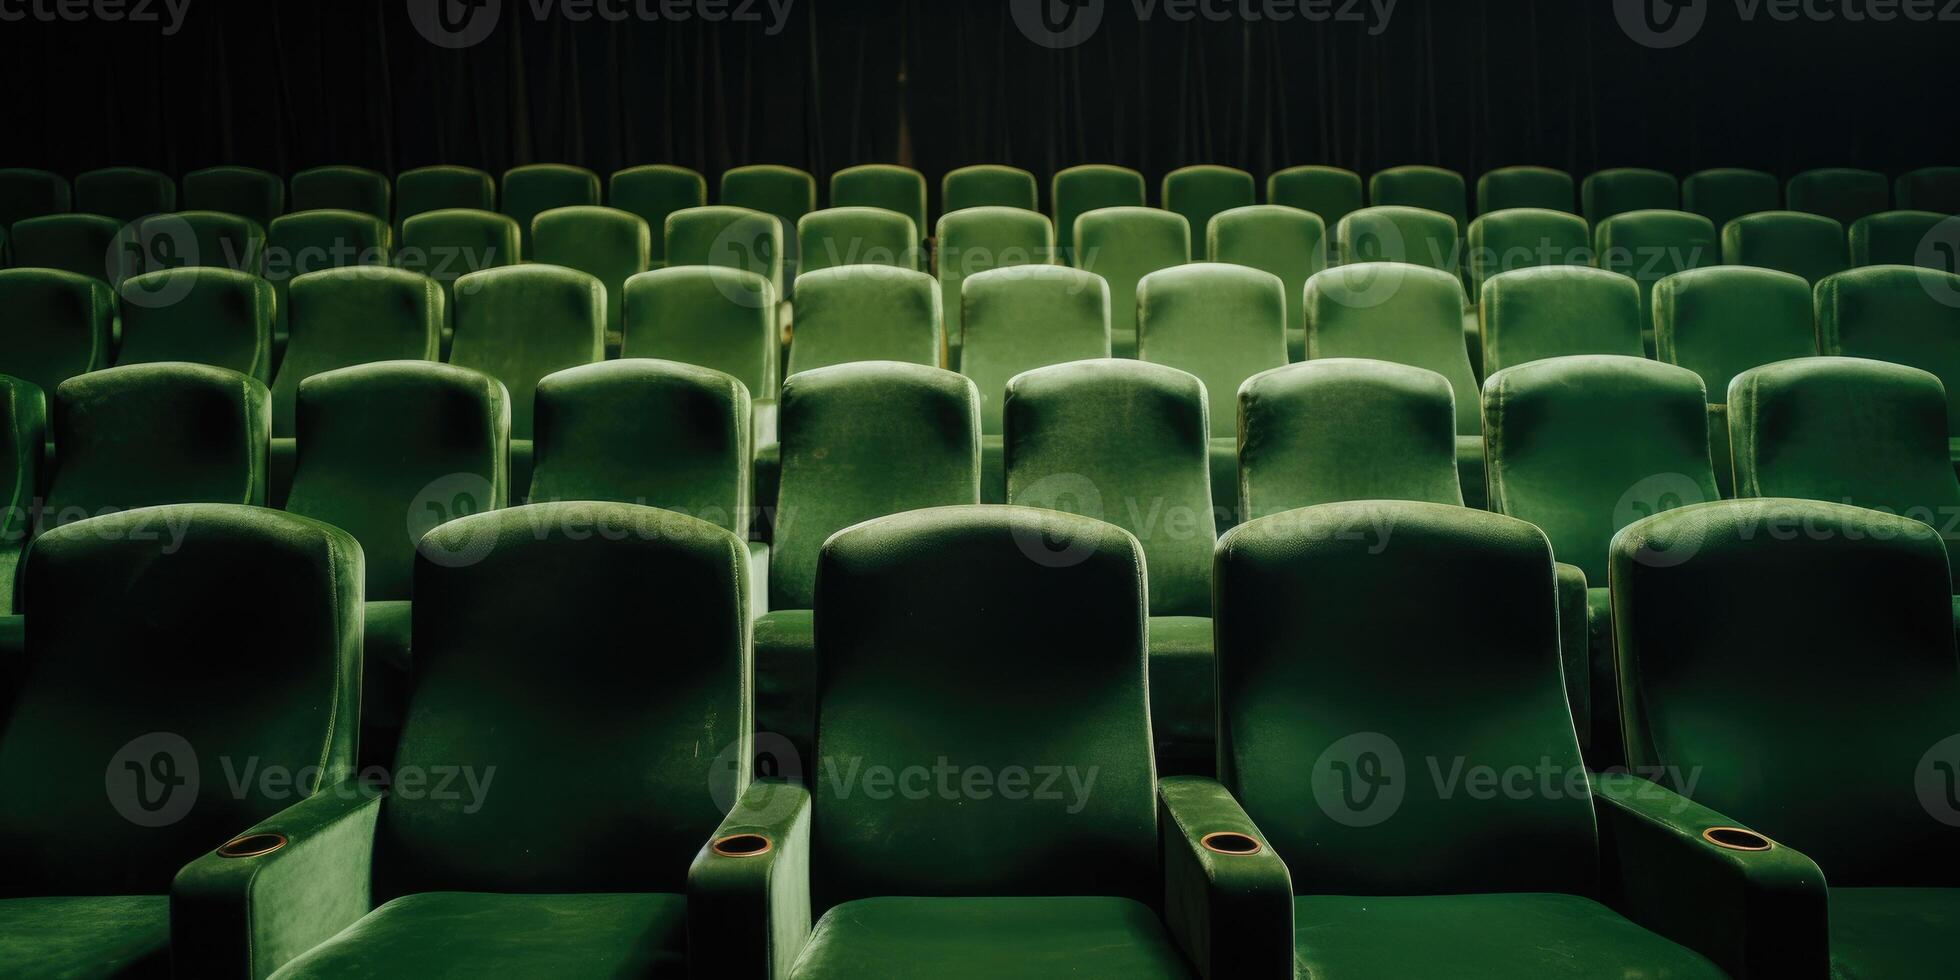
pixel 1467 84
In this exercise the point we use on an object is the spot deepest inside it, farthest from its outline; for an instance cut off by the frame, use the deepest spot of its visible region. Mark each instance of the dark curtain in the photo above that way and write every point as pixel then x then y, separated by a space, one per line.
pixel 1468 84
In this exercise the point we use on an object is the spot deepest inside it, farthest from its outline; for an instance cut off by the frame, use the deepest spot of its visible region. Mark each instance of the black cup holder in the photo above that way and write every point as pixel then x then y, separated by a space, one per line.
pixel 1229 842
pixel 741 846
pixel 1735 839
pixel 251 845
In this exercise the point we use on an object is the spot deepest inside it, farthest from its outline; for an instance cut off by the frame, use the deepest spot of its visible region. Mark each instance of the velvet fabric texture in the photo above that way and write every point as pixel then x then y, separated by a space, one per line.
pixel 247 192
pixel 343 188
pixel 1895 313
pixel 57 325
pixel 1397 233
pixel 1542 188
pixel 84 244
pixel 531 190
pixel 1622 189
pixel 1076 191
pixel 125 193
pixel 201 239
pixel 1652 245
pixel 442 188
pixel 218 317
pixel 1524 238
pixel 1285 241
pixel 980 239
pixel 784 193
pixel 1723 194
pixel 988 185
pixel 607 244
pixel 653 192
pixel 1123 245
pixel 1839 193
pixel 1430 188
pixel 1898 238
pixel 845 236
pixel 1554 311
pixel 1330 192
pixel 27 193
pixel 736 238
pixel 23 437
pixel 313 241
pixel 1204 191
pixel 1934 189
pixel 348 316
pixel 709 316
pixel 451 243
pixel 522 323
pixel 879 185
pixel 866 313
pixel 1806 245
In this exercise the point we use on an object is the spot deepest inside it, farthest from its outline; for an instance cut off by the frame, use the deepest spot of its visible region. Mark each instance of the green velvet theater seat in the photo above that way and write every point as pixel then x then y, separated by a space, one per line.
pixel 1407 314
pixel 84 244
pixel 27 193
pixel 1542 188
pixel 1078 190
pixel 711 317
pixel 866 313
pixel 977 239
pixel 1125 442
pixel 314 241
pixel 1203 191
pixel 998 859
pixel 879 185
pixel 1221 323
pixel 653 192
pixel 1524 238
pixel 1391 233
pixel 1288 242
pixel 845 236
pixel 1583 446
pixel 1806 245
pixel 1935 189
pixel 23 442
pixel 582 782
pixel 1900 314
pixel 1019 319
pixel 1901 238
pixel 1721 322
pixel 450 244
pixel 442 188
pixel 785 193
pixel 244 191
pixel 201 239
pixel 1652 245
pixel 53 325
pixel 1723 194
pixel 388 451
pixel 607 244
pixel 148 434
pixel 1330 192
pixel 858 441
pixel 1841 194
pixel 234 647
pixel 1828 733
pixel 988 185
pixel 343 188
pixel 1554 311
pixel 1123 245
pixel 1436 641
pixel 1345 429
pixel 522 323
pixel 531 190
pixel 125 193
pixel 1619 190
pixel 1430 188
pixel 730 237
pixel 202 315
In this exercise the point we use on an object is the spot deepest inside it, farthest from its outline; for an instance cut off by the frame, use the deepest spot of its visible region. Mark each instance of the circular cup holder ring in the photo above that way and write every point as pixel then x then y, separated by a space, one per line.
pixel 1736 839
pixel 251 845
pixel 1231 843
pixel 742 845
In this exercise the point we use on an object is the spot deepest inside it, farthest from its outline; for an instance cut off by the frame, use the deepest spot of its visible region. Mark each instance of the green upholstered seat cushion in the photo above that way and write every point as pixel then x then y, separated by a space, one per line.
pixel 125 193
pixel 451 243
pixel 1929 189
pixel 387 654
pixel 435 934
pixel 1839 193
pixel 1091 938
pixel 1623 189
pixel 1524 187
pixel 1652 245
pixel 124 937
pixel 1123 245
pixel 1720 322
pixel 1553 311
pixel 1724 194
pixel 608 244
pixel 201 239
pixel 711 316
pixel 786 192
pixel 440 188
pixel 57 325
pixel 1524 238
pixel 982 239
pixel 1893 932
pixel 1202 192
pixel 1287 242
pixel 1027 317
pixel 209 316
pixel 84 244
pixel 1398 312
pixel 311 241
pixel 988 185
pixel 1806 245
pixel 731 237
pixel 1078 190
pixel 866 313
pixel 786 676
pixel 1899 238
pixel 348 316
pixel 1330 192
pixel 653 192
pixel 27 193
pixel 900 190
pixel 1894 313
pixel 244 191
pixel 520 324
pixel 531 190
pixel 23 447
pixel 1394 233
pixel 1481 937
pixel 1183 716
pixel 1429 188
pixel 842 236
pixel 1220 322
pixel 343 188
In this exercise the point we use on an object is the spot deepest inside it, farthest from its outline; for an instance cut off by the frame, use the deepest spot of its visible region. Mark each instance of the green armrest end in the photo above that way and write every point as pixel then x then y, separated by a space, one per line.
pixel 749 908
pixel 1230 906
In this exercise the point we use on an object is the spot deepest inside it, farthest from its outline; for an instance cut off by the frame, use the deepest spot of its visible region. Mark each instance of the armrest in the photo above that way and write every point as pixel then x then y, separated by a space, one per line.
pixel 1756 913
pixel 1230 906
pixel 1575 645
pixel 247 916
pixel 748 908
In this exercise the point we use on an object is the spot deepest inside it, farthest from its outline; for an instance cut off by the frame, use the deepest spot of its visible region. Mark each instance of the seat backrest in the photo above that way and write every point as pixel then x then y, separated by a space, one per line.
pixel 447 245
pixel 1806 245
pixel 57 325
pixel 1552 311
pixel 1393 311
pixel 1902 238
pixel 206 316
pixel 313 241
pixel 1895 313
pixel 149 434
pixel 23 443
pixel 1583 446
pixel 1839 193
pixel 442 188
pixel 27 193
pixel 1223 323
pixel 607 244
pixel 1524 238
pixel 1652 245
pixel 536 188
pixel 1378 653
pixel 1022 318
pixel 125 193
pixel 343 188
pixel 1123 245
pixel 1345 429
pixel 247 192
pixel 843 236
pixel 235 647
pixel 1722 321
pixel 639 708
pixel 786 192
pixel 1797 678
pixel 1077 623
pixel 1723 194
pixel 1619 190
pixel 84 244
pixel 1542 188
pixel 861 441
pixel 1078 190
pixel 343 317
pixel 881 185
pixel 1202 191
pixel 653 192
pixel 730 237
pixel 1934 189
pixel 976 239
pixel 708 316
pixel 987 185
pixel 1288 242
pixel 659 433
pixel 208 239
pixel 1330 192
pixel 1394 233
pixel 519 324
pixel 1125 442
pixel 389 450
pixel 1430 188
pixel 866 313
